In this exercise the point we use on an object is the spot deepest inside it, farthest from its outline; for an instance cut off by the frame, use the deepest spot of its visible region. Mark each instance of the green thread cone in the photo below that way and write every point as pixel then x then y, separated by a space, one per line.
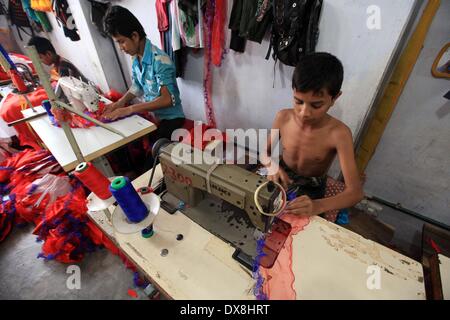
pixel 118 183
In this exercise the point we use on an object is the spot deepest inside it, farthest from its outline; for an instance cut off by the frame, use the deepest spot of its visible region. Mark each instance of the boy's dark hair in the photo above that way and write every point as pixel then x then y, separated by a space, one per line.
pixel 42 45
pixel 317 71
pixel 120 21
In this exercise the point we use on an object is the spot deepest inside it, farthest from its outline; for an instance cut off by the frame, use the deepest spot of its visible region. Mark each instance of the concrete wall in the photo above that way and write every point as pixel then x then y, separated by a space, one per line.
pixel 243 93
pixel 411 165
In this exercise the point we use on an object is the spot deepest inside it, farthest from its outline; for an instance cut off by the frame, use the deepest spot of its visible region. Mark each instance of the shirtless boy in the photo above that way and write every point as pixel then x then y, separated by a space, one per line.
pixel 311 138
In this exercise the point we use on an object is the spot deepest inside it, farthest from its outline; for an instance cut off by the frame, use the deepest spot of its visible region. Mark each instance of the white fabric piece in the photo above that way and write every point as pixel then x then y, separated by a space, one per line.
pixel 54 186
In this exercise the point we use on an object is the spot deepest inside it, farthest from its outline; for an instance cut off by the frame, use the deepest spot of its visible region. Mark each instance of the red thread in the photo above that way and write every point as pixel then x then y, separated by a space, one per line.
pixel 435 246
pixel 95 181
pixel 132 293
pixel 17 81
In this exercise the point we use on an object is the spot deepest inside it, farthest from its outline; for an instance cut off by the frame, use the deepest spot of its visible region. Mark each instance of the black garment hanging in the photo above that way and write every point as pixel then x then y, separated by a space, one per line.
pixel 295 29
pixel 190 7
pixel 65 18
pixel 249 20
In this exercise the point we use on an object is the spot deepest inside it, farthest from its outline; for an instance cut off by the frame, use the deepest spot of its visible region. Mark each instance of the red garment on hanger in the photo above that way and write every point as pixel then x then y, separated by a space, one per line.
pixel 163 19
pixel 218 32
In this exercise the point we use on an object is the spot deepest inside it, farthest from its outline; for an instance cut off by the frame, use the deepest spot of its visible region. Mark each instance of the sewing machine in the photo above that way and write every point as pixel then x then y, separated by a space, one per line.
pixel 184 260
pixel 221 198
pixel 81 95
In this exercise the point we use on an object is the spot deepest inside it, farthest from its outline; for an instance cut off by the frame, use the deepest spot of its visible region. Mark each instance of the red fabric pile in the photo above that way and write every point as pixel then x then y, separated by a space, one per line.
pixel 61 224
pixel 61 220
pixel 17 58
pixel 63 228
pixel 11 111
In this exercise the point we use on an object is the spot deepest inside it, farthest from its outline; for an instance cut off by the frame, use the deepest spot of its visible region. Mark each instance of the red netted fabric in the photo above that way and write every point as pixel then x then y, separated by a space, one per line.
pixel 60 215
pixel 7 213
pixel 17 174
pixel 62 227
pixel 279 280
pixel 11 109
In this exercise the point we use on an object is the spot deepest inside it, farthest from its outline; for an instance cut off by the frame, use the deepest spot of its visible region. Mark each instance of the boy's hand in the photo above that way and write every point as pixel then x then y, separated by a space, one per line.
pixel 109 108
pixel 117 113
pixel 302 206
pixel 61 115
pixel 281 177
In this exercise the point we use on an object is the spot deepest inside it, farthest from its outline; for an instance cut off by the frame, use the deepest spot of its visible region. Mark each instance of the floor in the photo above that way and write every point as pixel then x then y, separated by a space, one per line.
pixel 24 276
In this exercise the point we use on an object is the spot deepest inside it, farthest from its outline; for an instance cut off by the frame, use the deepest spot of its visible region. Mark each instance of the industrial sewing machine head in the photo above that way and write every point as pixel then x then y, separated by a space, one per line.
pixel 80 94
pixel 191 183
pixel 221 198
pixel 191 179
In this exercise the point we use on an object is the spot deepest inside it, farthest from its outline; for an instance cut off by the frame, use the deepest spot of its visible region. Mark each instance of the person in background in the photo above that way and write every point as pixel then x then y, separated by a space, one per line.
pixel 153 75
pixel 50 57
pixel 60 66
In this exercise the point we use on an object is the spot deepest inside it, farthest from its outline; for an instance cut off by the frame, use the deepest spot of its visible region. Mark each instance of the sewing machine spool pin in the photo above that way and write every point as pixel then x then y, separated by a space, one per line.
pixel 95 204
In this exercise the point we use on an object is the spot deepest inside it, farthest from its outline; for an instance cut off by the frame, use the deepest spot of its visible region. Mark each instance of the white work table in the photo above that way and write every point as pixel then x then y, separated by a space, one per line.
pixel 93 142
pixel 444 268
pixel 329 262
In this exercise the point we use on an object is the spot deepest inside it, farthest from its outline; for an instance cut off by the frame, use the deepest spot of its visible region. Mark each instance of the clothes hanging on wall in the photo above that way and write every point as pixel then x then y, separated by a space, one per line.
pixel 183 23
pixel 19 17
pixel 168 26
pixel 295 29
pixel 30 11
pixel 43 21
pixel 191 29
pixel 166 35
pixel 98 10
pixel 191 8
pixel 41 5
pixel 163 20
pixel 65 18
pixel 178 56
pixel 249 20
pixel 37 16
pixel 3 10
pixel 218 32
pixel 174 26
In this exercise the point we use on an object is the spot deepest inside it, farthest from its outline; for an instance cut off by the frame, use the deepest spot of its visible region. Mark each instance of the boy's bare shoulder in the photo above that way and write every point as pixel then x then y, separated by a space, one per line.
pixel 283 115
pixel 339 130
